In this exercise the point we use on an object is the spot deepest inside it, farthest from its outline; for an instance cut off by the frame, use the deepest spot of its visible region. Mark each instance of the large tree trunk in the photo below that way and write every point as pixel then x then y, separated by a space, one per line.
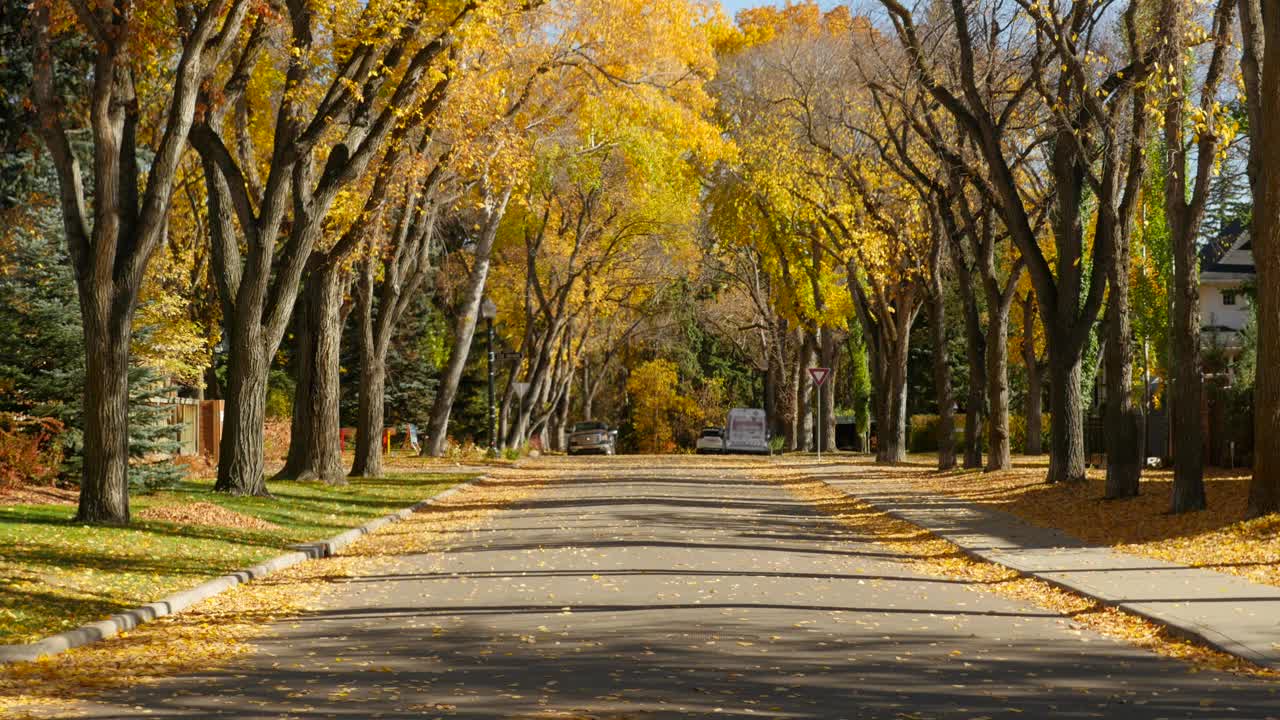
pixel 241 465
pixel 112 235
pixel 1035 378
pixel 893 433
pixel 942 375
pixel 104 485
pixel 830 358
pixel 560 419
pixel 1185 213
pixel 1264 489
pixel 1188 379
pixel 1124 450
pixel 997 363
pixel 975 350
pixel 464 331
pixel 806 398
pixel 301 422
pixel 315 452
pixel 1066 403
pixel 789 398
pixel 372 412
pixel 373 380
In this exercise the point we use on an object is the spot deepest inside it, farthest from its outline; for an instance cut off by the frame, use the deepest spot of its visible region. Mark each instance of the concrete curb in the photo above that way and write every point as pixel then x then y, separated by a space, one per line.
pixel 179 601
pixel 1182 626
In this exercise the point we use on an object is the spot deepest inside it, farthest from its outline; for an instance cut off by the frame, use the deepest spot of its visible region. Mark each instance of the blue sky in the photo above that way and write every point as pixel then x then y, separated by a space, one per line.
pixel 733 6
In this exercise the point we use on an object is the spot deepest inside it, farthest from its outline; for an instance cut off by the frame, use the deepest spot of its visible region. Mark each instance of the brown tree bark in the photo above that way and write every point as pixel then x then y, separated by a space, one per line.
pixel 315 451
pixel 111 246
pixel 1083 125
pixel 1120 189
pixel 806 359
pixel 829 356
pixel 893 433
pixel 887 323
pixel 259 285
pixel 1185 214
pixel 938 335
pixel 1262 31
pixel 1066 432
pixel 1123 420
pixel 464 328
pixel 1035 378
pixel 975 352
pixel 372 413
pixel 104 485
pixel 999 453
pixel 242 461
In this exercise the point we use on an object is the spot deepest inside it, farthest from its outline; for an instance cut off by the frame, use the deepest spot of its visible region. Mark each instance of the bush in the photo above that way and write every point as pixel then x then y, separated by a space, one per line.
pixel 30 453
pixel 280 390
pixel 1018 432
pixel 923 434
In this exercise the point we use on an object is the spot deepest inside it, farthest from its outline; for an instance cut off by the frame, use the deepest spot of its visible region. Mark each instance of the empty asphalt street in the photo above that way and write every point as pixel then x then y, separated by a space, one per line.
pixel 672 588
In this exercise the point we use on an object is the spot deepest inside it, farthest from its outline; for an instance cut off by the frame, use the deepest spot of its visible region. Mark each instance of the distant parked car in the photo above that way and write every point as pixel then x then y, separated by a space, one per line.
pixel 710 441
pixel 592 437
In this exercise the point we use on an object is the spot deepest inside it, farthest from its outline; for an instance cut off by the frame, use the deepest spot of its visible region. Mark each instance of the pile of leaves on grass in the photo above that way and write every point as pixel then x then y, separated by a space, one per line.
pixel 207 514
pixel 38 495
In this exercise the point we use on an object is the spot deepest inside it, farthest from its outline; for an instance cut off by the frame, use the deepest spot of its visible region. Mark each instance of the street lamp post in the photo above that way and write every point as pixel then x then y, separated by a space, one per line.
pixel 489 310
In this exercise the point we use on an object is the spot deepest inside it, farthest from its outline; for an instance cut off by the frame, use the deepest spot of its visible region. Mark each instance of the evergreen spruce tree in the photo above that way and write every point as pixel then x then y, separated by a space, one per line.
pixel 42 365
pixel 152 435
pixel 41 346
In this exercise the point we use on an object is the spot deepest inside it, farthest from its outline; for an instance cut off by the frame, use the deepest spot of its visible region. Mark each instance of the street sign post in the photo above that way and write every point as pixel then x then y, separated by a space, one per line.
pixel 819 376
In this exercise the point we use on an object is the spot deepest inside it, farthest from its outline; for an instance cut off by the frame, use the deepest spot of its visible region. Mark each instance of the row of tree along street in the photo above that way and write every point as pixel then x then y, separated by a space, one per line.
pixel 675 213
pixel 971 158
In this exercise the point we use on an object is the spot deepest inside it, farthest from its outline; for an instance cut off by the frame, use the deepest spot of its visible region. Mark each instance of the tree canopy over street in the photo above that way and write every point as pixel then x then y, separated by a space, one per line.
pixel 317 214
pixel 305 307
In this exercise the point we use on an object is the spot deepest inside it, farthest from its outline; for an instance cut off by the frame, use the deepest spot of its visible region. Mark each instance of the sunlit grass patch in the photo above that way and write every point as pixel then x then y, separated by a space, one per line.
pixel 56 575
pixel 218 631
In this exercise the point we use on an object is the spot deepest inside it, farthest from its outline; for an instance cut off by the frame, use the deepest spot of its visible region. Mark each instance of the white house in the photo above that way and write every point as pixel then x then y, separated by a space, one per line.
pixel 1224 275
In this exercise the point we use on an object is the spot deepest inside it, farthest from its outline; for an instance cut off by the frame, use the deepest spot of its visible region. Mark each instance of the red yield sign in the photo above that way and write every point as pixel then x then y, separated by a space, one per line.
pixel 819 375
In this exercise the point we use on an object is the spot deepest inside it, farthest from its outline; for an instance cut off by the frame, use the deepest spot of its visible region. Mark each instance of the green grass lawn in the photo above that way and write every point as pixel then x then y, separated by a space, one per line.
pixel 56 575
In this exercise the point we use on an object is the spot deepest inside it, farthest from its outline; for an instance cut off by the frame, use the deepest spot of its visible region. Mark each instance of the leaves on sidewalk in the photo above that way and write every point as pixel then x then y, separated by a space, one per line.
pixel 931 555
pixel 1215 538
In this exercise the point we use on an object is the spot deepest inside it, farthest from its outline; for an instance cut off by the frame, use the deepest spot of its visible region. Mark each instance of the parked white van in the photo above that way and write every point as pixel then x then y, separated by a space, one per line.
pixel 747 431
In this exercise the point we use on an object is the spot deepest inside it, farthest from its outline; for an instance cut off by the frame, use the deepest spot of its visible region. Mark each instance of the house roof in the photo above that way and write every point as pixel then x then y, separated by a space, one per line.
pixel 1228 256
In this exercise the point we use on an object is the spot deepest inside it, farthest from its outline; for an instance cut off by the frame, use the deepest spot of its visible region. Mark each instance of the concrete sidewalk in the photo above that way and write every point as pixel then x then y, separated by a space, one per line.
pixel 1225 611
